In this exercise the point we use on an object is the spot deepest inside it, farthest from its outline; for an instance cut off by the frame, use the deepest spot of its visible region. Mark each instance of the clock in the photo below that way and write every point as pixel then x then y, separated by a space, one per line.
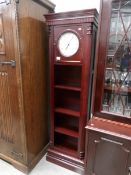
pixel 68 44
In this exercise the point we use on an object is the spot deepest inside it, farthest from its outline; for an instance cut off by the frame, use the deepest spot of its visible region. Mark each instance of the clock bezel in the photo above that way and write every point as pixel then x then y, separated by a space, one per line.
pixel 68 31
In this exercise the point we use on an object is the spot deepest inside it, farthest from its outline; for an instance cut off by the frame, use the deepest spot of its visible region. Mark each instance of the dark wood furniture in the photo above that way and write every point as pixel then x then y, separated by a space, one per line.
pixel 108 145
pixel 72 44
pixel 108 148
pixel 23 83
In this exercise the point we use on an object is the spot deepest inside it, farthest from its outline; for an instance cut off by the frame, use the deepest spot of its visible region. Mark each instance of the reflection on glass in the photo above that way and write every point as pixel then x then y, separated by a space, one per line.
pixel 117 87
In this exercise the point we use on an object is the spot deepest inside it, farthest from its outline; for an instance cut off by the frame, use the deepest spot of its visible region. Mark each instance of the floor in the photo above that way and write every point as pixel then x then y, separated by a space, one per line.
pixel 42 168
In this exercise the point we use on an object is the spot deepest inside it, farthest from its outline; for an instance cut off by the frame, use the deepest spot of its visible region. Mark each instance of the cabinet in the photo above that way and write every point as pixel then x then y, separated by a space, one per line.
pixel 72 45
pixel 108 148
pixel 113 73
pixel 112 95
pixel 23 100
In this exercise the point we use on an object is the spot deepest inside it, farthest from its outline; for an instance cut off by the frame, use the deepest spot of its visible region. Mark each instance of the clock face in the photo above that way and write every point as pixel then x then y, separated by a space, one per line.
pixel 68 44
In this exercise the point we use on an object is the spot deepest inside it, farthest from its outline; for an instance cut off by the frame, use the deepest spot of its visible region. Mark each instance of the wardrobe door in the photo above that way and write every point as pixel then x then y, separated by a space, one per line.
pixel 11 141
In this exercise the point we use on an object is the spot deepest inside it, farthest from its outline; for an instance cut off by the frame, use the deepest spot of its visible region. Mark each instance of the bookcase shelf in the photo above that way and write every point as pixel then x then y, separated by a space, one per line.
pixel 67 125
pixel 66 149
pixel 68 112
pixel 66 144
pixel 66 99
pixel 68 88
pixel 118 89
pixel 66 131
pixel 65 75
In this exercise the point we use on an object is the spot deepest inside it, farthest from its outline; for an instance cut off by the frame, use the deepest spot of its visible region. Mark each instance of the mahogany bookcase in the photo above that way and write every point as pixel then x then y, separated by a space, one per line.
pixel 72 38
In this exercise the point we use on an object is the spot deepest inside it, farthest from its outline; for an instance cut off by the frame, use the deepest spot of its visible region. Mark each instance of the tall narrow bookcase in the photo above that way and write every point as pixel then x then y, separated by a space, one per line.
pixel 71 51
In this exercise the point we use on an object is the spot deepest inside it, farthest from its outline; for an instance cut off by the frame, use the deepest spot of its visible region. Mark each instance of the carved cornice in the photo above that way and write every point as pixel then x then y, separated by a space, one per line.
pixel 80 16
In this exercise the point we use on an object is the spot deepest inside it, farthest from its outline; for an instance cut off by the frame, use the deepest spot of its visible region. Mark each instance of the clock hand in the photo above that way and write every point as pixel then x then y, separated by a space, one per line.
pixel 67 46
pixel 69 43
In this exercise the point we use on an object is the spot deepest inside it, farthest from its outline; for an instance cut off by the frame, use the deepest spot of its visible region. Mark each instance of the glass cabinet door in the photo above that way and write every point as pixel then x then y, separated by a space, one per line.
pixel 117 84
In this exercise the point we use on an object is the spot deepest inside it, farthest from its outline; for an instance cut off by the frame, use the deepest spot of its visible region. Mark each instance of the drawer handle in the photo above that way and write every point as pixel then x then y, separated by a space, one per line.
pixel 112 141
pixel 11 63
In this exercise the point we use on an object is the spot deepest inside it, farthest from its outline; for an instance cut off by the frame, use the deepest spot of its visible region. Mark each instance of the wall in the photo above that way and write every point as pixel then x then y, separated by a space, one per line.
pixel 69 5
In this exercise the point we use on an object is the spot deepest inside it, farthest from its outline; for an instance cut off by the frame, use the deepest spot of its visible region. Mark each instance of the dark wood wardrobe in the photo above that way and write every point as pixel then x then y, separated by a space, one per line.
pixel 23 82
